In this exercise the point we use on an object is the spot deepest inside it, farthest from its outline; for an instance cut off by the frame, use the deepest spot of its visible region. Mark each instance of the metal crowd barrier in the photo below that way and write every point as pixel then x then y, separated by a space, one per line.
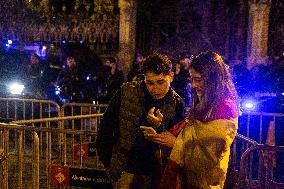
pixel 26 109
pixel 260 159
pixel 19 168
pixel 77 109
pixel 255 128
pixel 73 109
pixel 68 141
pixel 65 144
pixel 239 146
pixel 255 125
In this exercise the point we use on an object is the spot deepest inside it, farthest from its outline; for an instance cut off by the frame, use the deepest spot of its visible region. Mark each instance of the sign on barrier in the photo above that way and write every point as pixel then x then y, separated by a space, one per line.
pixel 81 151
pixel 59 175
pixel 87 150
pixel 68 176
pixel 89 178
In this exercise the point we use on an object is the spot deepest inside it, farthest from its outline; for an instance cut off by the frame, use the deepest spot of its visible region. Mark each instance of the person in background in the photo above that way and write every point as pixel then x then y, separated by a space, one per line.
pixel 129 159
pixel 114 80
pixel 242 79
pixel 135 70
pixel 200 153
pixel 34 74
pixel 71 82
pixel 259 79
pixel 181 83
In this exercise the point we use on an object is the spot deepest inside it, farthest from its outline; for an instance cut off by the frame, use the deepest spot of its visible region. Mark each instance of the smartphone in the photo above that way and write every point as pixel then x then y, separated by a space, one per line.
pixel 148 130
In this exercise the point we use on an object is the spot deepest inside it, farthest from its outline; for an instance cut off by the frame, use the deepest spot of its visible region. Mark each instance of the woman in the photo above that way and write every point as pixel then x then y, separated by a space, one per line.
pixel 200 154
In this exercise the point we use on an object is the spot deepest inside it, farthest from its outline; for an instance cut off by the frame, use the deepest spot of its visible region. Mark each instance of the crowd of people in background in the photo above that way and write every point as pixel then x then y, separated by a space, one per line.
pixel 263 78
pixel 71 79
pixel 76 83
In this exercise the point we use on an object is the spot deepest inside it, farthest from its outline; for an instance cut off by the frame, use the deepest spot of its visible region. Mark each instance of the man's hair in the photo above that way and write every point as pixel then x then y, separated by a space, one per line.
pixel 157 63
pixel 111 59
pixel 35 55
pixel 217 79
pixel 184 55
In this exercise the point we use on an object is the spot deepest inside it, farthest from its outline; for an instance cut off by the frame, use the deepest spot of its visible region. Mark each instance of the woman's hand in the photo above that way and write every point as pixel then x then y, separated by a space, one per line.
pixel 165 138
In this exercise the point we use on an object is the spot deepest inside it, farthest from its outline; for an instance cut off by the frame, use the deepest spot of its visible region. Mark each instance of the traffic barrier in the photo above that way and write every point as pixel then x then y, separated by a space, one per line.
pixel 262 165
pixel 239 146
pixel 255 125
pixel 12 109
pixel 66 143
pixel 69 156
pixel 19 166
pixel 73 109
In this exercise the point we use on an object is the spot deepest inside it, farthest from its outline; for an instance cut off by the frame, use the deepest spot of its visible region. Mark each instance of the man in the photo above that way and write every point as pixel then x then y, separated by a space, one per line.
pixel 135 70
pixel 181 83
pixel 113 81
pixel 70 81
pixel 129 159
pixel 35 76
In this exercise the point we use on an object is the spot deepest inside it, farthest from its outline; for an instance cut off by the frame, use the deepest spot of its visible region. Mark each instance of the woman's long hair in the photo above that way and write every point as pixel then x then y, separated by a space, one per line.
pixel 218 83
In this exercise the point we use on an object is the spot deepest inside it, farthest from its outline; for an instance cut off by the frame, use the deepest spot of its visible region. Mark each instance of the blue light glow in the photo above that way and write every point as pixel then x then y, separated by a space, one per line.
pixel 249 105
pixel 16 88
pixel 88 77
pixel 10 42
pixel 57 90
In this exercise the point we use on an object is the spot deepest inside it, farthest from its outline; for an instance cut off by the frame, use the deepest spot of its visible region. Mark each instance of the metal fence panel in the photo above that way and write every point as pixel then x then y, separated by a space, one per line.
pixel 67 145
pixel 73 109
pixel 12 109
pixel 255 125
pixel 19 167
pixel 264 167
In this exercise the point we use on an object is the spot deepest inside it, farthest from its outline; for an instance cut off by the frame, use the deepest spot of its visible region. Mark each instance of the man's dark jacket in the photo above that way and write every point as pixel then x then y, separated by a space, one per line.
pixel 120 144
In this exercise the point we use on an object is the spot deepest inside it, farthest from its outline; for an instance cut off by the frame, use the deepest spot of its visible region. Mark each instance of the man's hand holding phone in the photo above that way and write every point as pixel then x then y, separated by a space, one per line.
pixel 148 130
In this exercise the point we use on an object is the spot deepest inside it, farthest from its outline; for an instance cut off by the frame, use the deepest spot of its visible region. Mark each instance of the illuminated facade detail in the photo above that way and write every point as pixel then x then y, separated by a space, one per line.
pixel 258 32
pixel 94 23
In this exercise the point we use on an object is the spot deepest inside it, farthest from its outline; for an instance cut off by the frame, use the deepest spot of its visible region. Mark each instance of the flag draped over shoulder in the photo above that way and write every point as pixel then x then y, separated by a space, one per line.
pixel 200 156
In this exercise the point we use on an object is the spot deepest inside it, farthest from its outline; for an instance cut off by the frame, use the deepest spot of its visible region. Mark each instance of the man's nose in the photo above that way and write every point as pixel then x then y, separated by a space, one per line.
pixel 194 84
pixel 155 87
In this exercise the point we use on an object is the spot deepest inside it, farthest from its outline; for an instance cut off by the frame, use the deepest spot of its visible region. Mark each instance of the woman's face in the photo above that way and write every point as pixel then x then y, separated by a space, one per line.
pixel 197 83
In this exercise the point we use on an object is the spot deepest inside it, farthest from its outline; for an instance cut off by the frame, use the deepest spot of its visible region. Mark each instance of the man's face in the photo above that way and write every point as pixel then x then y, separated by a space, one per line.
pixel 107 63
pixel 71 62
pixel 34 59
pixel 158 84
pixel 110 64
pixel 139 58
pixel 184 62
pixel 197 83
